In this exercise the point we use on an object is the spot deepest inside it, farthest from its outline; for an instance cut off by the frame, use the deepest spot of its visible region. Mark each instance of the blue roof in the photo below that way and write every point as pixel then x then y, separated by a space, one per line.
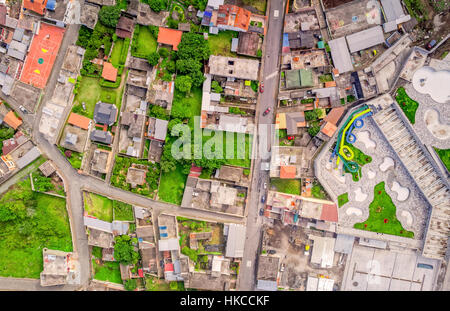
pixel 51 4
pixel 285 39
pixel 207 14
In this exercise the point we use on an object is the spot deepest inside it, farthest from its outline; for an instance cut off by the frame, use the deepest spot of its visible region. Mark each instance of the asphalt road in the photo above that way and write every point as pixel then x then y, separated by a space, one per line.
pixel 247 271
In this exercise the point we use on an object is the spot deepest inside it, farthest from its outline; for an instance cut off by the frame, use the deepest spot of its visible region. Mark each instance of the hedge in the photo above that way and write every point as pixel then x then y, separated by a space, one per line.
pixel 110 84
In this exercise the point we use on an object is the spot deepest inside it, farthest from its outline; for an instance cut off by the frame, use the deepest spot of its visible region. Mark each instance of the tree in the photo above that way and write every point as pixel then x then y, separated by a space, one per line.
pixel 14 204
pixel 197 78
pixel 171 67
pixel 131 284
pixel 109 15
pixel 311 115
pixel 163 52
pixel 183 83
pixel 172 123
pixel 193 46
pixel 157 5
pixel 186 66
pixel 158 112
pixel 124 250
pixel 217 88
pixel 153 59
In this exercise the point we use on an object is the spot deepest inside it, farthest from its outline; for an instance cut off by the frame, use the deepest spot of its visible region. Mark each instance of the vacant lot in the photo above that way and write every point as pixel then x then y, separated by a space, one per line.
pixel 98 206
pixel 115 54
pixel 22 240
pixel 171 186
pixel 382 217
pixel 107 271
pixel 220 44
pixel 122 211
pixel 187 105
pixel 145 42
pixel 291 186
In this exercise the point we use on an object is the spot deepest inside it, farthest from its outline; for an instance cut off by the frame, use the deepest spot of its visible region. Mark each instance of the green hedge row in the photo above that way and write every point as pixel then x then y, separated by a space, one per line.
pixel 124 51
pixel 110 84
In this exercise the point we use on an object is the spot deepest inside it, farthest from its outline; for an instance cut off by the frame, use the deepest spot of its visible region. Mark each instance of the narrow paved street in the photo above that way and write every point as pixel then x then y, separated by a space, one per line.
pixel 267 99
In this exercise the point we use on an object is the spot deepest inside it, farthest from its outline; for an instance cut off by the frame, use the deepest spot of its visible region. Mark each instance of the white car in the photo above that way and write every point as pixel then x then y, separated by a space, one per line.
pixel 276 13
pixel 22 108
pixel 265 185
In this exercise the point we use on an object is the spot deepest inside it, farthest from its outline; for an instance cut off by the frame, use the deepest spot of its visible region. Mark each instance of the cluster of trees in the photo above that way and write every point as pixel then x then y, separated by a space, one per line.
pixel 5 133
pixel 192 51
pixel 124 250
pixel 109 15
pixel 158 112
pixel 42 183
pixel 216 87
pixel 157 5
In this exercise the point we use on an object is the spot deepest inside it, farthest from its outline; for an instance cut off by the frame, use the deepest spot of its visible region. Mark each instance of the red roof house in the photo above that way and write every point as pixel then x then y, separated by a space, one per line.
pixel 169 36
pixel 79 120
pixel 109 72
pixel 233 17
pixel 287 171
pixel 37 6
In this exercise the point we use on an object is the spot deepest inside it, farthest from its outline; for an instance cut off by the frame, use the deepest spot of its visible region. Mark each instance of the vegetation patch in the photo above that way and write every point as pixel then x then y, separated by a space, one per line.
pixel 318 191
pixel 171 186
pixel 98 206
pixel 291 186
pixel 444 154
pixel 220 44
pixel 108 271
pixel 73 157
pixel 29 222
pixel 122 211
pixel 382 217
pixel 408 105
pixel 342 199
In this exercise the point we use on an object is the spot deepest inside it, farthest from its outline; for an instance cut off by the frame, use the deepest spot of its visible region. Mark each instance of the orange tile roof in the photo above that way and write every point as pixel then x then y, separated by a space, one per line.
pixel 330 83
pixel 109 72
pixel 329 129
pixel 287 171
pixel 170 37
pixel 334 115
pixel 11 119
pixel 79 120
pixel 37 6
pixel 241 16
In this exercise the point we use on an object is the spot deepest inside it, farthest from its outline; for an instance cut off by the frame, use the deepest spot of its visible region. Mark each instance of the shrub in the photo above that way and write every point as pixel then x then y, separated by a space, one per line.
pixel 259 53
pixel 109 15
pixel 131 284
pixel 153 59
pixel 163 52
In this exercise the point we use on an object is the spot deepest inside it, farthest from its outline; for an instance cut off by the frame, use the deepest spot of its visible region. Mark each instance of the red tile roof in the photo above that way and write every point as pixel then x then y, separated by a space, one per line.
pixel 109 72
pixel 287 171
pixel 37 6
pixel 232 15
pixel 334 115
pixel 79 120
pixel 11 119
pixel 329 129
pixel 170 37
pixel 168 267
pixel 329 212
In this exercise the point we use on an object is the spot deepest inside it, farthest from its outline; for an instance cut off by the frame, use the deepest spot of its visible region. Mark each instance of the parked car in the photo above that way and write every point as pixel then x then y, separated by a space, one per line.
pixel 263 199
pixel 22 108
pixel 266 111
pixel 290 137
pixel 271 251
pixel 282 267
pixel 265 185
pixel 261 212
pixel 261 87
pixel 431 44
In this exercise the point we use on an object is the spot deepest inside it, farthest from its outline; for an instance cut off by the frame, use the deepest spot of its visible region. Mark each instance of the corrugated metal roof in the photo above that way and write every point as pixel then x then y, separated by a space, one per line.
pixel 392 9
pixel 235 241
pixel 344 243
pixel 97 224
pixel 340 55
pixel 29 157
pixel 267 285
pixel 365 39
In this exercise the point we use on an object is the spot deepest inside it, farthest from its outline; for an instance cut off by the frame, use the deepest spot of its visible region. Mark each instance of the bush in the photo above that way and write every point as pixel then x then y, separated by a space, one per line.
pixel 110 84
pixel 217 88
pixel 157 5
pixel 131 284
pixel 153 59
pixel 109 15
pixel 259 53
pixel 163 52
pixel 173 285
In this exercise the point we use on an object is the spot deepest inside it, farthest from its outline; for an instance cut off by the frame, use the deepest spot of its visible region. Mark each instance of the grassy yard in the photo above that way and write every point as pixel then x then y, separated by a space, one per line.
pixel 382 216
pixel 171 186
pixel 122 211
pixel 241 151
pixel 220 44
pixel 359 157
pixel 22 241
pixel 115 54
pixel 107 271
pixel 75 158
pixel 291 186
pixel 145 42
pixel 89 93
pixel 444 154
pixel 154 284
pixel 408 105
pixel 342 199
pixel 98 206
pixel 191 104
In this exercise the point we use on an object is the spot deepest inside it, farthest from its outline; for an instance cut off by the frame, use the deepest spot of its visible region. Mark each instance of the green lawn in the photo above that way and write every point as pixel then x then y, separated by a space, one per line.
pixel 239 149
pixel 22 241
pixel 90 92
pixel 382 216
pixel 342 199
pixel 291 186
pixel 190 105
pixel 171 186
pixel 115 54
pixel 154 284
pixel 146 43
pixel 122 211
pixel 75 158
pixel 220 44
pixel 98 206
pixel 359 157
pixel 408 105
pixel 444 154
pixel 318 191
pixel 107 271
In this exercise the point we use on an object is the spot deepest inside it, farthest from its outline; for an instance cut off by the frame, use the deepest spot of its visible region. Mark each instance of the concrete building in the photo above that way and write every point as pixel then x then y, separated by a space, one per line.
pixel 267 273
pixel 232 67
pixel 235 240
